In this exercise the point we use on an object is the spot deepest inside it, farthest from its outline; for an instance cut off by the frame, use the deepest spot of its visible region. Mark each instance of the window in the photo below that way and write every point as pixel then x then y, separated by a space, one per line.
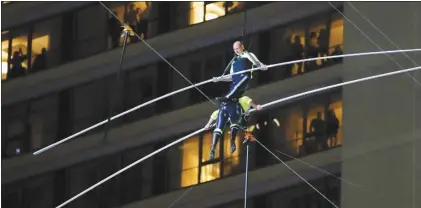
pixel 82 176
pixel 43 119
pixel 15 129
pixel 317 43
pixel 214 10
pixel 88 104
pixel 298 43
pixel 91 31
pixel 18 56
pixel 135 181
pixel 196 12
pixel 190 161
pixel 205 11
pixel 5 51
pixel 336 106
pixel 294 128
pixel 46 44
pixel 336 33
pixel 231 164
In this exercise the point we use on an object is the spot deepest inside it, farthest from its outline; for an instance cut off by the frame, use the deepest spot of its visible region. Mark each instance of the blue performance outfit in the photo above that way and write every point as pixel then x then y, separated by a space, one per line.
pixel 239 82
pixel 229 111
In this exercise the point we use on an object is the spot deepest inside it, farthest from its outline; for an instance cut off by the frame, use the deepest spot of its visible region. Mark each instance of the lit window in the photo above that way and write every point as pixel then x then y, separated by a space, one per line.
pixel 319 40
pixel 337 109
pixel 300 33
pixel 210 172
pixel 336 34
pixel 234 6
pixel 214 10
pixel 190 163
pixel 207 144
pixel 196 12
pixel 294 128
pixel 4 56
pixel 231 160
pixel 312 114
pixel 199 12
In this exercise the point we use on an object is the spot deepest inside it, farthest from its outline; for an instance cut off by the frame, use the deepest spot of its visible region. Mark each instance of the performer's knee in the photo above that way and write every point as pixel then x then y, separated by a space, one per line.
pixel 217 131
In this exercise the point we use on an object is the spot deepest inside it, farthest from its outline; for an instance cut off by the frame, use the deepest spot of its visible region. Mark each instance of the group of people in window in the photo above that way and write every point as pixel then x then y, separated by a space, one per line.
pixel 136 18
pixel 317 46
pixel 16 63
pixel 323 134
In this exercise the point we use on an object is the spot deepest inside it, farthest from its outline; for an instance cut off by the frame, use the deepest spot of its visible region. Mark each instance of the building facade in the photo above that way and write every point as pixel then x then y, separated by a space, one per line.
pixel 58 77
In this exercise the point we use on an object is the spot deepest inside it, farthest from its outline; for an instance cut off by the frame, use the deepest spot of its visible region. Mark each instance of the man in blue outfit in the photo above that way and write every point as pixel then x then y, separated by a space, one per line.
pixel 239 82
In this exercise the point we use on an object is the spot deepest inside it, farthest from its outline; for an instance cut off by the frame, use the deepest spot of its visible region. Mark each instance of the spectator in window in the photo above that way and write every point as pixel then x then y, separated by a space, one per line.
pixel 337 51
pixel 40 61
pixel 131 20
pixel 142 23
pixel 317 129
pixel 312 51
pixel 297 51
pixel 323 42
pixel 287 56
pixel 17 69
pixel 332 127
pixel 114 30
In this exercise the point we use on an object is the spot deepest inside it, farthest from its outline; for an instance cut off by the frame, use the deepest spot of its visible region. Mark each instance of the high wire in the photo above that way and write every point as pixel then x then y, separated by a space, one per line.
pixel 209 81
pixel 203 129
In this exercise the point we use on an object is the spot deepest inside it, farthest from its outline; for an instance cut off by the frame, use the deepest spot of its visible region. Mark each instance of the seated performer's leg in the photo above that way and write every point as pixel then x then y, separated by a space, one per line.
pixel 238 89
pixel 234 113
pixel 217 133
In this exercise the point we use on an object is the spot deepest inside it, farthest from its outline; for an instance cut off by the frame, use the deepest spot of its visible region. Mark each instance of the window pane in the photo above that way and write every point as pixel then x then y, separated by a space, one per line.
pixel 294 129
pixel 335 131
pixel 207 144
pixel 318 43
pixel 4 54
pixel 297 38
pixel 234 6
pixel 19 57
pixel 210 172
pixel 190 152
pixel 189 177
pixel 39 191
pixel 336 32
pixel 214 10
pixel 196 12
pixel 46 49
pixel 80 177
pixel 43 120
pixel 232 160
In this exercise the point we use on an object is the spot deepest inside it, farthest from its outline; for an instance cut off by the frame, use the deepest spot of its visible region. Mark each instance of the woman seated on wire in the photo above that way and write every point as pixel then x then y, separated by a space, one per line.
pixel 237 113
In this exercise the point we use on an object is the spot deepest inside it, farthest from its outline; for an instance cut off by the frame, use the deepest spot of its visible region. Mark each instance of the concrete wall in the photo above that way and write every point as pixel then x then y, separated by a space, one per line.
pixel 382 117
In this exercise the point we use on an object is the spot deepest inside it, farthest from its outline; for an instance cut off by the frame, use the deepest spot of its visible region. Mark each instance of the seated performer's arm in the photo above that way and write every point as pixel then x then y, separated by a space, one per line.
pixel 212 119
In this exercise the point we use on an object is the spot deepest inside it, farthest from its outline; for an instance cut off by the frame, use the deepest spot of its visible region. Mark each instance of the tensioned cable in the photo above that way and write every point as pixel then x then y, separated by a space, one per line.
pixel 211 81
pixel 203 129
pixel 157 53
pixel 368 38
